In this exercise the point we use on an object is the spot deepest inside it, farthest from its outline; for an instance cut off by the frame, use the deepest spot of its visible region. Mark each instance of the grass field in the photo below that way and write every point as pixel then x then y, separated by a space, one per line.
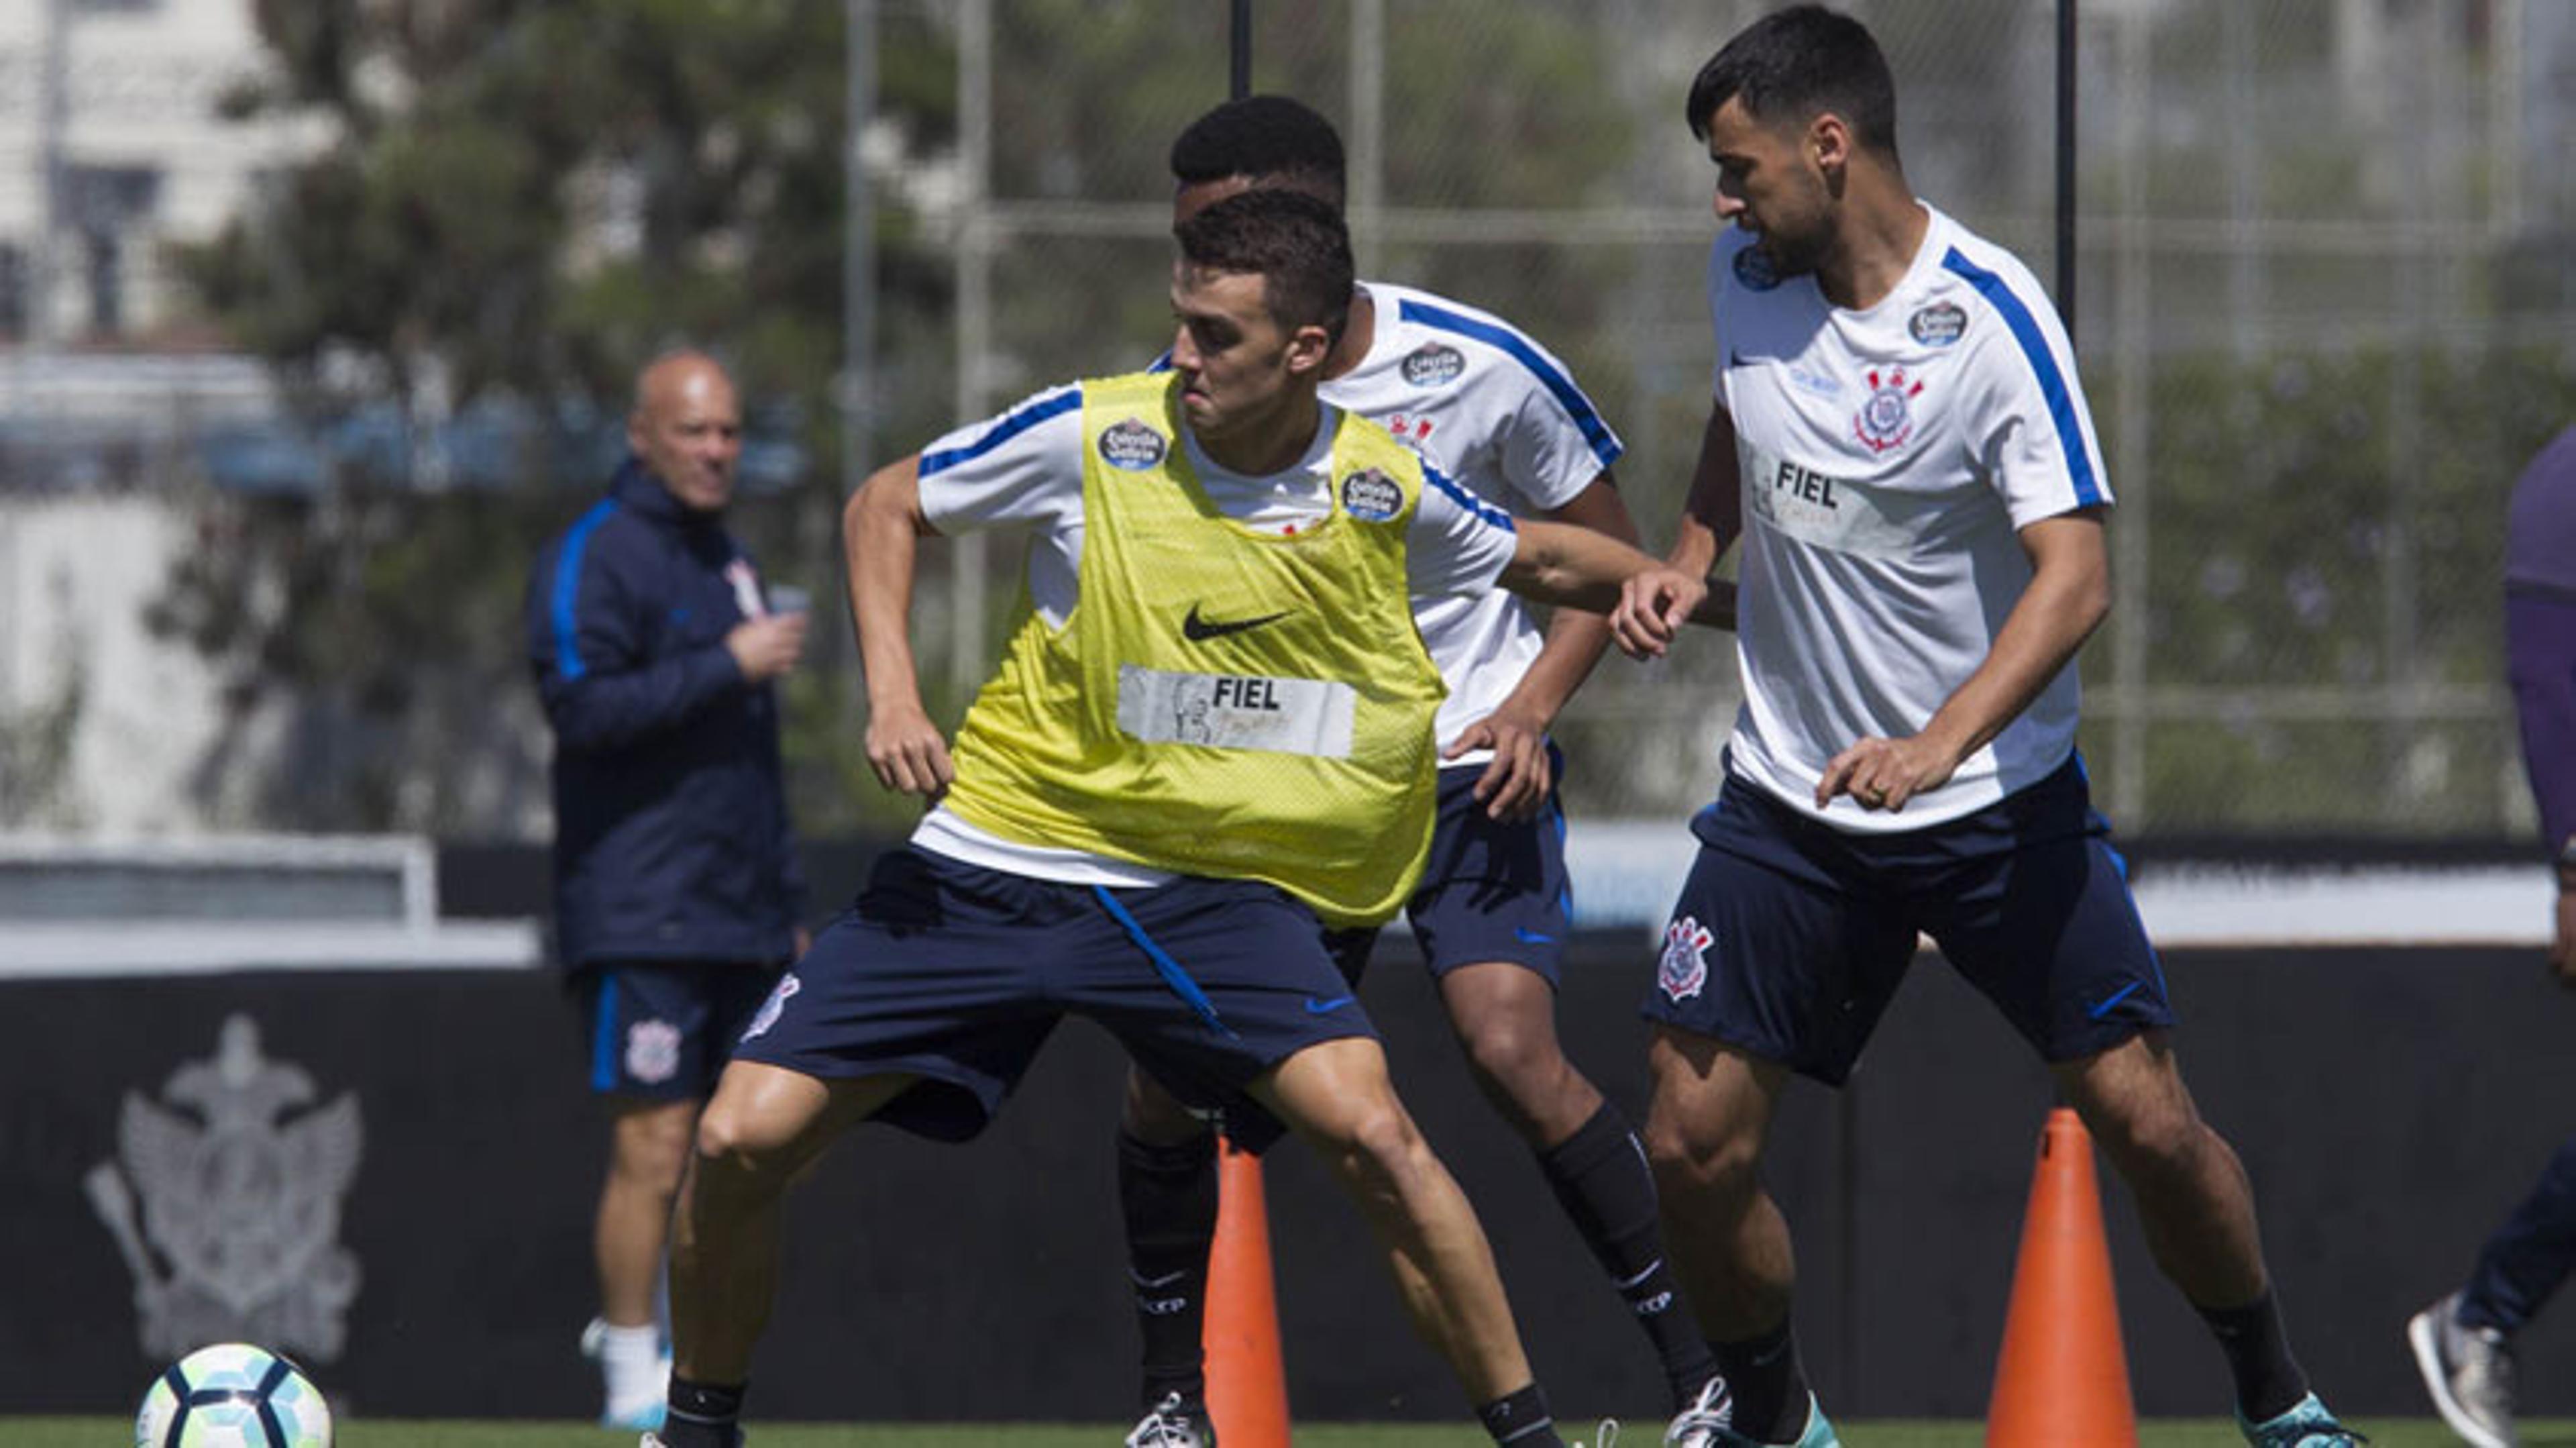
pixel 1891 1433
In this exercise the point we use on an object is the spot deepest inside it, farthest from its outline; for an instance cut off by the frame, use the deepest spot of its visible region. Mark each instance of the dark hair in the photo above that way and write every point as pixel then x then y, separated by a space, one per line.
pixel 1296 244
pixel 1796 64
pixel 1270 138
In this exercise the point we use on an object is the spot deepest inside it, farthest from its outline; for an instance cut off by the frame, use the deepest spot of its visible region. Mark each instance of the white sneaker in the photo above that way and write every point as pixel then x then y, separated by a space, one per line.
pixel 635 1374
pixel 2469 1372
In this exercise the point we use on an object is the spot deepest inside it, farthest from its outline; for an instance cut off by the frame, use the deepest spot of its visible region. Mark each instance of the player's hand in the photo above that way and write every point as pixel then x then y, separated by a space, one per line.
pixel 1885 773
pixel 2562 951
pixel 1516 780
pixel 907 753
pixel 767 647
pixel 1653 606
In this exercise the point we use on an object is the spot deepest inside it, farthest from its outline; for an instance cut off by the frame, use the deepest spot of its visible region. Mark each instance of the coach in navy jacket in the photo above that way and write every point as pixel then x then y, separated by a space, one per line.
pixel 677 895
pixel 672 839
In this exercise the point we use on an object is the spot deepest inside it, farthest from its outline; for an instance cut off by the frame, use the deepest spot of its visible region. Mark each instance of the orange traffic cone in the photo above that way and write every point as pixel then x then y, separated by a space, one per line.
pixel 2062 1377
pixel 1247 1381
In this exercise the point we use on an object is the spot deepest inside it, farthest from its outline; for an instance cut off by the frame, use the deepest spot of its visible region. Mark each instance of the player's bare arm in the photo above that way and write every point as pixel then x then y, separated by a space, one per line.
pixel 1709 524
pixel 1516 781
pixel 1714 514
pixel 881 531
pixel 1574 567
pixel 2068 597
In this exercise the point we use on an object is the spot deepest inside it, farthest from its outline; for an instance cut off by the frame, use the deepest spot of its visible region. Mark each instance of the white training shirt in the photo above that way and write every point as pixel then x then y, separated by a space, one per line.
pixel 1025 468
pixel 1498 414
pixel 1890 457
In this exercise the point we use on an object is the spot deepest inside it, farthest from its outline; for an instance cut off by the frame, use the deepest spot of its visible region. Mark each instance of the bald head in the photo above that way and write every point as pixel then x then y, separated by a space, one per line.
pixel 687 427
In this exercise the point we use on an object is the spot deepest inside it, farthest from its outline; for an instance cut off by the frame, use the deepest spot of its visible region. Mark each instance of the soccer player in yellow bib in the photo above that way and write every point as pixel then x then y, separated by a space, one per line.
pixel 1212 732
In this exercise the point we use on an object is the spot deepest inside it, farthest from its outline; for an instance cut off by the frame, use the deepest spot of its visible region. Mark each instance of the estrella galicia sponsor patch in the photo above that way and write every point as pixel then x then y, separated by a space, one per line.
pixel 1939 324
pixel 1434 364
pixel 1132 446
pixel 1371 496
pixel 1753 269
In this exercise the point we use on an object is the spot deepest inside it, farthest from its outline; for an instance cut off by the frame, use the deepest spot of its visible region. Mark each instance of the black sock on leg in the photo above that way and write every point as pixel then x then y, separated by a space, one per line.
pixel 1168 1195
pixel 1769 1384
pixel 2269 1382
pixel 703 1415
pixel 1601 1178
pixel 1521 1420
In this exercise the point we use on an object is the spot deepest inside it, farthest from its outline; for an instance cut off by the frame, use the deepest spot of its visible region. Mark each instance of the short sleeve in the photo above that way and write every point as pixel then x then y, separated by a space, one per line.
pixel 1557 442
pixel 1024 466
pixel 2028 421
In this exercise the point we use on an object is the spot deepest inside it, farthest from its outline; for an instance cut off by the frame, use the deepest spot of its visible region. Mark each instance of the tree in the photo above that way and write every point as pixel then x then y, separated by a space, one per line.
pixel 519 203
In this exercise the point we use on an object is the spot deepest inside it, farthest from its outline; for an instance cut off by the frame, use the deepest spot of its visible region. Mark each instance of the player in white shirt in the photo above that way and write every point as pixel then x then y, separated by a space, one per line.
pixel 1899 439
pixel 1494 411
pixel 1025 898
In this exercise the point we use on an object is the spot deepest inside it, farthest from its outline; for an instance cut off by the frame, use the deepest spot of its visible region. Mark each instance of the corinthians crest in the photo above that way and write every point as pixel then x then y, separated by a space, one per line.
pixel 244 1208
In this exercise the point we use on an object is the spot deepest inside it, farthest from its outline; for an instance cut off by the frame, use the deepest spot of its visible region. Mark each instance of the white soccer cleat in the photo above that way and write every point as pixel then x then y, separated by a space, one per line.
pixel 1169 1425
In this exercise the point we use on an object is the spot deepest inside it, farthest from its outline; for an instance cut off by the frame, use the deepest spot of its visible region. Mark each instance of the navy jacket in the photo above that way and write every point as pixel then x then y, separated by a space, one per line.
pixel 671 833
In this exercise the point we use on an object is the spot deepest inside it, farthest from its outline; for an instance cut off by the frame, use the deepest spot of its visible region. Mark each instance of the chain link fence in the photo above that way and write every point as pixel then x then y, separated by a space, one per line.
pixel 2325 304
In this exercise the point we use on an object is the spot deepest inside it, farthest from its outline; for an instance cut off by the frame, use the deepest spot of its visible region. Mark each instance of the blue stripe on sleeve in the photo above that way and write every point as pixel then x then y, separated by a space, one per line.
pixel 1467 500
pixel 567 592
pixel 1552 377
pixel 2071 437
pixel 1011 426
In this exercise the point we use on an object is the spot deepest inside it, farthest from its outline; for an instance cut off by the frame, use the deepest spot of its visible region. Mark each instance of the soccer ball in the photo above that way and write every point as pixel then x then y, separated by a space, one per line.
pixel 233 1395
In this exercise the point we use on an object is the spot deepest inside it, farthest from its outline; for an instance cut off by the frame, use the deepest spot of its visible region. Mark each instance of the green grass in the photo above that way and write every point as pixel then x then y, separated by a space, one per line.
pixel 1886 1433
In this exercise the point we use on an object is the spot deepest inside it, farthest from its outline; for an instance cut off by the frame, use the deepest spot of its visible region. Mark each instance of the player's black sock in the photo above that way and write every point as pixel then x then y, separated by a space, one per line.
pixel 1521 1419
pixel 703 1415
pixel 1601 1178
pixel 1169 1197
pixel 1769 1384
pixel 2269 1382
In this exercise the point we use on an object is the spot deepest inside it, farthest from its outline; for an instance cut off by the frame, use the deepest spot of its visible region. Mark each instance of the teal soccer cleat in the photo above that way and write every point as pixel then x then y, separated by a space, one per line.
pixel 2306 1425
pixel 1708 1423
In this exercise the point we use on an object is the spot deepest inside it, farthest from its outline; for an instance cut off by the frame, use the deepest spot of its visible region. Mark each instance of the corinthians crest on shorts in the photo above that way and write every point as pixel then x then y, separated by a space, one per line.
pixel 1683 972
pixel 242 1205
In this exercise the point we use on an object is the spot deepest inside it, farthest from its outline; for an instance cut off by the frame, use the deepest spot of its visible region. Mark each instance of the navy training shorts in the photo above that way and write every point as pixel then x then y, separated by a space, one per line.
pixel 663 1029
pixel 957 974
pixel 1791 936
pixel 1493 890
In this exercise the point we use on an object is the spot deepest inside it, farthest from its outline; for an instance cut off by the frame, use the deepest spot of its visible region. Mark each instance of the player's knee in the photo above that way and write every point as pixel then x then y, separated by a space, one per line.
pixel 737 1142
pixel 1516 1058
pixel 1701 1162
pixel 1376 1146
pixel 655 1155
pixel 2147 1132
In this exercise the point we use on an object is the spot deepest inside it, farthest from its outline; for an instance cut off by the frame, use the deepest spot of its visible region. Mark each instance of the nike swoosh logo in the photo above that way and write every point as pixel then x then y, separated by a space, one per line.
pixel 1200 630
pixel 1527 936
pixel 2123 993
pixel 1315 1007
pixel 1166 1280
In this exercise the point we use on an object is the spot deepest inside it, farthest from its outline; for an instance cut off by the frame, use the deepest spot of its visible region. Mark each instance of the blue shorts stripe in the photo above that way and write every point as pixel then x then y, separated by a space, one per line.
pixel 567 590
pixel 2072 439
pixel 1009 427
pixel 603 1035
pixel 1586 417
pixel 1166 967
